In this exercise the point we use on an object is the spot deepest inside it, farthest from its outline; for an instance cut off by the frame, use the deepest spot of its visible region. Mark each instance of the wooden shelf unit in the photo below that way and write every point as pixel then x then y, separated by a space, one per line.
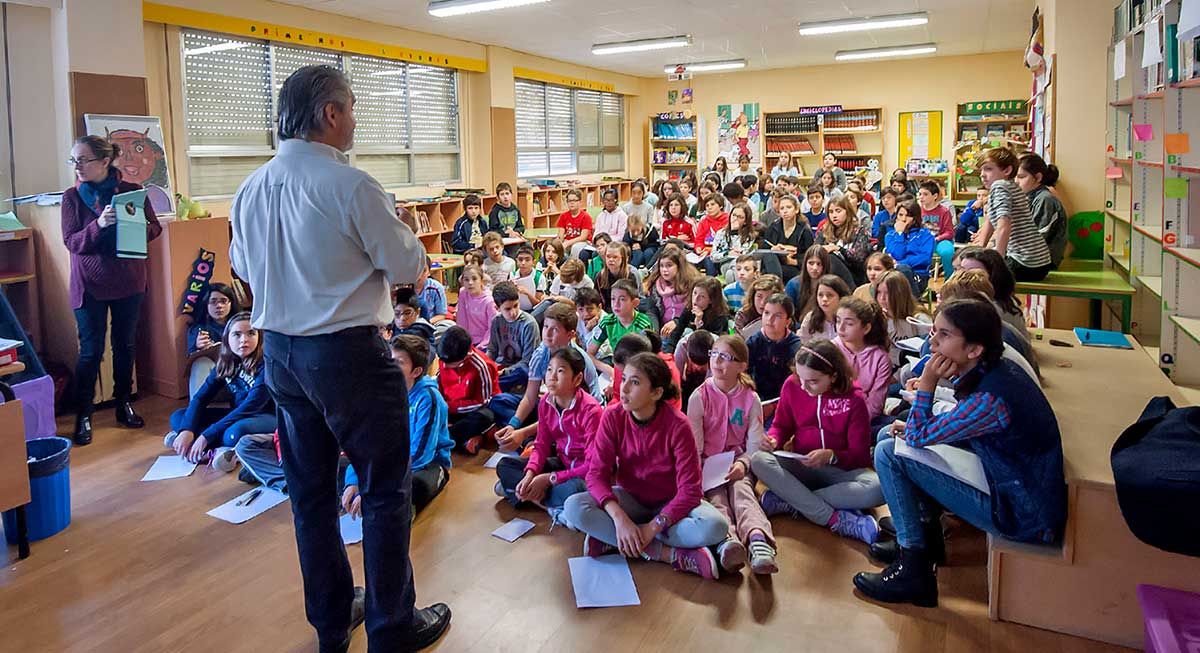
pixel 988 127
pixel 19 280
pixel 672 132
pixel 787 131
pixel 541 206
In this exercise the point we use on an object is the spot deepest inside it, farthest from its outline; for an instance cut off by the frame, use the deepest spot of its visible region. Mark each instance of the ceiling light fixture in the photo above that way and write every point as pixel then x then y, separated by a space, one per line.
pixel 706 66
pixel 444 8
pixel 863 24
pixel 885 53
pixel 642 45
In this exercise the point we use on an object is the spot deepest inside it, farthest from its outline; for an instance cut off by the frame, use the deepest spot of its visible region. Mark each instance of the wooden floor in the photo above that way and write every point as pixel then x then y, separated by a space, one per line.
pixel 142 568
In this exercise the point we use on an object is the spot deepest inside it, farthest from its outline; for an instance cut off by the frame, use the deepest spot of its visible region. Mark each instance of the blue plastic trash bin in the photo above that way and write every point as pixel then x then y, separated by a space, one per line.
pixel 49 510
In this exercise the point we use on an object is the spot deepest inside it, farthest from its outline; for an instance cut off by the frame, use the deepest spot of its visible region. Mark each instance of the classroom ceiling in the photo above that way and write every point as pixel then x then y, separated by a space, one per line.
pixel 764 32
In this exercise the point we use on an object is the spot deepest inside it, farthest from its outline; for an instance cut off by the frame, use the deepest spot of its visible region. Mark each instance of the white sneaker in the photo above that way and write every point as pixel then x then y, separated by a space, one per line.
pixel 223 459
pixel 169 440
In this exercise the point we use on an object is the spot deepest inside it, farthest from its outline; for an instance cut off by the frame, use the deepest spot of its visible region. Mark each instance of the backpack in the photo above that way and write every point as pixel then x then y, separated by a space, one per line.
pixel 1156 467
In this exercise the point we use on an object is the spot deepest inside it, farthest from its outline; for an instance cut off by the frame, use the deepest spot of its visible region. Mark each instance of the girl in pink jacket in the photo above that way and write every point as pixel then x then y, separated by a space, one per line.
pixel 863 338
pixel 726 415
pixel 825 476
pixel 643 479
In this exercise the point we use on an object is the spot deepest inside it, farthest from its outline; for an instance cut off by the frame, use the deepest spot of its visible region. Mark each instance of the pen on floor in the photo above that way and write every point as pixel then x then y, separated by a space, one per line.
pixel 249 498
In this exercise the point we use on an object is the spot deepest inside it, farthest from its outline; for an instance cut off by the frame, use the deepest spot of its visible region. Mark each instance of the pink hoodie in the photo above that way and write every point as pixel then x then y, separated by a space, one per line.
pixel 569 433
pixel 657 462
pixel 874 369
pixel 828 421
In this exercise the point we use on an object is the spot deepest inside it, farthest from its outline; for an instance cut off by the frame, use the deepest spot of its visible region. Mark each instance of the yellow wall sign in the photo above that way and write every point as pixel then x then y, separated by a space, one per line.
pixel 562 80
pixel 156 13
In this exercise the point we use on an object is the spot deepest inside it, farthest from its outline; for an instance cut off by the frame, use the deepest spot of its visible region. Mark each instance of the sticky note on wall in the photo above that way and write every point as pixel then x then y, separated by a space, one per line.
pixel 1176 188
pixel 1113 172
pixel 1177 143
pixel 1143 132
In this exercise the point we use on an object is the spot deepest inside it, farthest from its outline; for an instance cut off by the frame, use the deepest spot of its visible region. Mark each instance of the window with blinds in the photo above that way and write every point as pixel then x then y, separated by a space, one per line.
pixel 407 114
pixel 563 131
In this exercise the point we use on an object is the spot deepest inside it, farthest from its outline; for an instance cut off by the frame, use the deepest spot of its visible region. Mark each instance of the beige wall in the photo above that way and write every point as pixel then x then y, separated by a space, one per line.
pixel 41 121
pixel 931 84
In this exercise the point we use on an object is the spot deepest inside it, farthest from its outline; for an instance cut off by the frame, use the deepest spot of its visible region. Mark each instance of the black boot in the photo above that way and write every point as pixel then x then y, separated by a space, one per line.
pixel 913 579
pixel 83 430
pixel 935 544
pixel 428 626
pixel 126 415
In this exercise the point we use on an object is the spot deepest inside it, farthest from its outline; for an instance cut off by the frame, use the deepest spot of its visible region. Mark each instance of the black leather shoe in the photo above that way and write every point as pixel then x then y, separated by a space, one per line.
pixel 83 430
pixel 127 417
pixel 911 579
pixel 429 625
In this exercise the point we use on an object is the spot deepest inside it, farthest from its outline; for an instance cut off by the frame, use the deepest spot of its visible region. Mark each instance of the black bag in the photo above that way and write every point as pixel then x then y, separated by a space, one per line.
pixel 1156 466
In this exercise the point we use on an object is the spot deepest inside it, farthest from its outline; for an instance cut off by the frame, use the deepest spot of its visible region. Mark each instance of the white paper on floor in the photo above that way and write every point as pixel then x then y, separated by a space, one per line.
pixel 169 467
pixel 513 529
pixel 231 512
pixel 715 469
pixel 495 459
pixel 603 582
pixel 351 529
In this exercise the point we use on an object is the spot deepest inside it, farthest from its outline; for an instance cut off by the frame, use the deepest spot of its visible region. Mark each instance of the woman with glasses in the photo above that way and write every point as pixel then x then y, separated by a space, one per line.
pixel 101 283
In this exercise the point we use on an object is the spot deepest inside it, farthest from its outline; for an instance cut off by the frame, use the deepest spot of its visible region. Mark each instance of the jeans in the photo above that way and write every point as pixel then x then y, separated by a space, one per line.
pixel 92 321
pixel 963 233
pixel 642 257
pixel 342 391
pixel 257 454
pixel 908 485
pixel 704 525
pixel 514 378
pixel 817 492
pixel 945 251
pixel 918 281
pixel 234 432
pixel 512 470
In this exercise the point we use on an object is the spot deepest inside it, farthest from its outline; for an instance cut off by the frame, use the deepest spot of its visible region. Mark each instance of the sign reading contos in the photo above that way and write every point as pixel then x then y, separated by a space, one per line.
pixel 993 106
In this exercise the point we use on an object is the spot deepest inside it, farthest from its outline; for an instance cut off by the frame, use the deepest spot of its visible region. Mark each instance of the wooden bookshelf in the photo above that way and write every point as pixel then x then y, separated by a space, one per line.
pixel 19 280
pixel 542 206
pixel 674 146
pixel 855 135
pixel 975 132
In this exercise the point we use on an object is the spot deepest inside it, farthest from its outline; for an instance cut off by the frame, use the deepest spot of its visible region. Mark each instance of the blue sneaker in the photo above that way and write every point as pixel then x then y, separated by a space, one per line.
pixel 773 504
pixel 855 525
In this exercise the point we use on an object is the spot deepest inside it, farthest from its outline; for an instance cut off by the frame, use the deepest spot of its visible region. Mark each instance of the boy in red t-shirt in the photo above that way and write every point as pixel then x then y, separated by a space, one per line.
pixel 575 224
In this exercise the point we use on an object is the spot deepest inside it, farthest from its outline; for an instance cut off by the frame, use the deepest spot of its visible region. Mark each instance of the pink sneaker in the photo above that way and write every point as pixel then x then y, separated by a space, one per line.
pixel 697 561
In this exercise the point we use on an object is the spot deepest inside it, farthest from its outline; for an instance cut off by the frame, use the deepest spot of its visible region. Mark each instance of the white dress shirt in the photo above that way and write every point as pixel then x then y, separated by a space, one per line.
pixel 319 243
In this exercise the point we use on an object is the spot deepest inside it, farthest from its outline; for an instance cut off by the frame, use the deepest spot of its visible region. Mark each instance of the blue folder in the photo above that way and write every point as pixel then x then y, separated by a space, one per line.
pixel 1101 338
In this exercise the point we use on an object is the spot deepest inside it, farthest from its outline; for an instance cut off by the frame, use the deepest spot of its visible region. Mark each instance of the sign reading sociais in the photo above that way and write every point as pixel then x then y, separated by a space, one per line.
pixel 994 106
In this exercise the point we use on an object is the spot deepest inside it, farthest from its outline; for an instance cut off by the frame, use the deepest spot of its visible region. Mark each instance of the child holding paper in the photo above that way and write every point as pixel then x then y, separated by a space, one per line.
pixel 726 416
pixel 650 505
pixel 825 476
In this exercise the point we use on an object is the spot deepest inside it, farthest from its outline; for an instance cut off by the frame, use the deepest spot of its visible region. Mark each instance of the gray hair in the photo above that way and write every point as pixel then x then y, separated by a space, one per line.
pixel 303 98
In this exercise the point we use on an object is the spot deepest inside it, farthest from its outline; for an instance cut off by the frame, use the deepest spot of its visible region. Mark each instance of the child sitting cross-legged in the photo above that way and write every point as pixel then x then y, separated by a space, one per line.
pixel 469 380
pixel 862 337
pixel 514 337
pixel 825 476
pixel 429 437
pixel 726 415
pixel 567 420
pixel 199 428
pixel 528 279
pixel 649 505
pixel 773 348
pixel 625 318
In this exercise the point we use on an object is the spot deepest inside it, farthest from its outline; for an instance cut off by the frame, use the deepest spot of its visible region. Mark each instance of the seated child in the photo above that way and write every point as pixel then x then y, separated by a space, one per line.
pixel 557 465
pixel 570 279
pixel 497 267
pixel 612 220
pixel 615 266
pixel 748 320
pixel 528 279
pixel 773 348
pixel 895 297
pixel 476 310
pixel 649 505
pixel 204 333
pixel 745 271
pixel 409 321
pixel 910 245
pixel 882 222
pixel 692 362
pixel 199 428
pixel 938 220
pixel 630 345
pixel 429 437
pixel 862 337
pixel 705 309
pixel 433 297
pixel 469 229
pixel 593 256
pixel 968 220
pixel 726 415
pixel 814 207
pixel 514 338
pixel 589 310
pixel 642 240
pixel 877 264
pixel 625 318
pixel 824 417
pixel 468 379
pixel 505 217
pixel 821 321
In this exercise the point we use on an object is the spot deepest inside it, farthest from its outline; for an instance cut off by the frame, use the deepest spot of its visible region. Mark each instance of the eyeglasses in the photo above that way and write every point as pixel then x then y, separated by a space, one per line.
pixel 728 358
pixel 74 163
pixel 218 301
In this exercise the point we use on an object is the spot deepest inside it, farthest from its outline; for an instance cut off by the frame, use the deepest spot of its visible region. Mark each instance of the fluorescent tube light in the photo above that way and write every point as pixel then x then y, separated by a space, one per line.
pixel 641 45
pixel 885 53
pixel 707 66
pixel 444 8
pixel 863 24
pixel 217 47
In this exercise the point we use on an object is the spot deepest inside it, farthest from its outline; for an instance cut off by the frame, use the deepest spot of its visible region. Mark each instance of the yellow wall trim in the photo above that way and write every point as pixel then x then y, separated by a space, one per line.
pixel 562 80
pixel 157 13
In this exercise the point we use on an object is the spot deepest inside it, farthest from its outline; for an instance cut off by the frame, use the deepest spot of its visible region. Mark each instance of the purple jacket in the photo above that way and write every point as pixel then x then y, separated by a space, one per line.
pixel 95 268
pixel 873 366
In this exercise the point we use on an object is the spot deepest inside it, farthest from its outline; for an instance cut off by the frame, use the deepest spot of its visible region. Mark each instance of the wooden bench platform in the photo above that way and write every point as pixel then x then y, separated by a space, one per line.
pixel 1086 280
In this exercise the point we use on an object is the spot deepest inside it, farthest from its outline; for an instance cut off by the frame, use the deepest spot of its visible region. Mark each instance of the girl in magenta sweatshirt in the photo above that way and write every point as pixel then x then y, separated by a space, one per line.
pixel 863 338
pixel 726 415
pixel 643 479
pixel 826 475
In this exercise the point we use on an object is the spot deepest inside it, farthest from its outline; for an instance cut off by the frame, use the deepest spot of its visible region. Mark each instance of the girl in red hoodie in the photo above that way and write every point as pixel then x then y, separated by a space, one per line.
pixel 826 475
pixel 643 479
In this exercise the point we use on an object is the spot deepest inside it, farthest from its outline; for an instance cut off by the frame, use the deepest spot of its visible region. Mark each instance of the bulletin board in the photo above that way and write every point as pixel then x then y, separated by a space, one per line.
pixel 920 135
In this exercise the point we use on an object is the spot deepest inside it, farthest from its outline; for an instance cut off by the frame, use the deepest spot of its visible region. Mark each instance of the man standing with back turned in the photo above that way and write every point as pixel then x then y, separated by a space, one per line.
pixel 319 243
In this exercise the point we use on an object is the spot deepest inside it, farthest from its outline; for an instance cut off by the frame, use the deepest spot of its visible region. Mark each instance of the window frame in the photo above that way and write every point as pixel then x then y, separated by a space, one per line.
pixel 600 150
pixel 410 151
